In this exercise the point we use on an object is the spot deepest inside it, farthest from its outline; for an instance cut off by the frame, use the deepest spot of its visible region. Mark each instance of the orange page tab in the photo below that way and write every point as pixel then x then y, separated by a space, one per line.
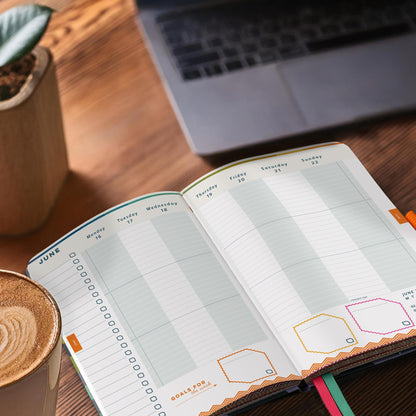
pixel 411 217
pixel 74 343
pixel 398 216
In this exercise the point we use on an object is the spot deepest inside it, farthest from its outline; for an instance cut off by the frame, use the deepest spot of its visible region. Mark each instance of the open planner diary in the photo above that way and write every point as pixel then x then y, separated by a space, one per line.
pixel 256 278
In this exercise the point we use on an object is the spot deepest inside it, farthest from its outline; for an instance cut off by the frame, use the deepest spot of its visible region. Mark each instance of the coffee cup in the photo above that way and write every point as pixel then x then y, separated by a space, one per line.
pixel 30 347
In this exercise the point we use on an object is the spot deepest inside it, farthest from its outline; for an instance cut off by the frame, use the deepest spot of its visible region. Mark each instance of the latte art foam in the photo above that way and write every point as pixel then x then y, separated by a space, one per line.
pixel 29 327
pixel 17 337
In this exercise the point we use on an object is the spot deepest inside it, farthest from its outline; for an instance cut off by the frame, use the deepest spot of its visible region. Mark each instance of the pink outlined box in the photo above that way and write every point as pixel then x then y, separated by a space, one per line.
pixel 382 312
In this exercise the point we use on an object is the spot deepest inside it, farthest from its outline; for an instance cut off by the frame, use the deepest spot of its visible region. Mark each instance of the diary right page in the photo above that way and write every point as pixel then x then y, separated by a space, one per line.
pixel 323 253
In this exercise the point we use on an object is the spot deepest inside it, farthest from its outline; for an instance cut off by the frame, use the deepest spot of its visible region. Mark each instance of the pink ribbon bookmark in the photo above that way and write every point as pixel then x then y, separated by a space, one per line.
pixel 326 396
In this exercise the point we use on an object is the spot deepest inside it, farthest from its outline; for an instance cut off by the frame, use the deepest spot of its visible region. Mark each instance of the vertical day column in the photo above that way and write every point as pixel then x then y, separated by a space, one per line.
pixel 183 308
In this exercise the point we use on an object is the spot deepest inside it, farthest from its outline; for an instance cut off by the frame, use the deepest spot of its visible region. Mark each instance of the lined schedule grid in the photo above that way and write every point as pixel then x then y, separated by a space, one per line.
pixel 173 297
pixel 313 239
pixel 110 368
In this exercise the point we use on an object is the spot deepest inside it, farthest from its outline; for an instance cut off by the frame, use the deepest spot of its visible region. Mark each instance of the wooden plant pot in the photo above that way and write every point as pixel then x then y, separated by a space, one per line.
pixel 33 159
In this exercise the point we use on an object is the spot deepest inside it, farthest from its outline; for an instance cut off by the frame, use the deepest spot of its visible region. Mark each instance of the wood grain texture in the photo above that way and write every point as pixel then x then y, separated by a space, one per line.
pixel 33 160
pixel 123 141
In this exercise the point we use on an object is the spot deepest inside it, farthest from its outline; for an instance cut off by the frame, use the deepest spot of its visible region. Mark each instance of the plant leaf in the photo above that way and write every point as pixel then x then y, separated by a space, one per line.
pixel 21 29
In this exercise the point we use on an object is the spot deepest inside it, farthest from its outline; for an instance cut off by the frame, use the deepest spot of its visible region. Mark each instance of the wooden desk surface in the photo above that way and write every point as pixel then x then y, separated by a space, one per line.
pixel 123 141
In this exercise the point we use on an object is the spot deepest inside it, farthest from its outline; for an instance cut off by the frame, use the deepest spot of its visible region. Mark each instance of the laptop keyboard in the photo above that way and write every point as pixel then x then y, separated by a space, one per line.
pixel 215 40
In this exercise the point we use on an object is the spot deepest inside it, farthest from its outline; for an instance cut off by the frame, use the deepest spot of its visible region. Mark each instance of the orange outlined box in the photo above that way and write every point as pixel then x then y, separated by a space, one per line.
pixel 325 334
pixel 74 343
pixel 398 216
pixel 246 366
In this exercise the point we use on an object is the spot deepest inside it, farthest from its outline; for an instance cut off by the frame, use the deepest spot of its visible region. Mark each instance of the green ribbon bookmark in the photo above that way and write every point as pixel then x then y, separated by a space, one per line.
pixel 337 395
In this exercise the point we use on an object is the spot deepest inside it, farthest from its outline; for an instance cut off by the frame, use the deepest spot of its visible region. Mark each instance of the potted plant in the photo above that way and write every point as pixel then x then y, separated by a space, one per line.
pixel 33 159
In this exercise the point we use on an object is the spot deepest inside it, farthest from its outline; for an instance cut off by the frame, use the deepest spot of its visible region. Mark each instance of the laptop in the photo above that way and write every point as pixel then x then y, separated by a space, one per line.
pixel 240 73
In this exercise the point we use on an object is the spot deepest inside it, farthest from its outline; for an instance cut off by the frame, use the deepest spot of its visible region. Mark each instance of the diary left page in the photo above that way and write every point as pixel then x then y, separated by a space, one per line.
pixel 153 318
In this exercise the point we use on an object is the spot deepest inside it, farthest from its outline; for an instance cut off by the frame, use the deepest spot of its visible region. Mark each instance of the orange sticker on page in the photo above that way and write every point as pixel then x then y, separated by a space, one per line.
pixel 74 343
pixel 398 216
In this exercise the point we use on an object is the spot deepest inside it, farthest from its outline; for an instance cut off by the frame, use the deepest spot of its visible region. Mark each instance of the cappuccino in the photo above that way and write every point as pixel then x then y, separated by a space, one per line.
pixel 30 328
